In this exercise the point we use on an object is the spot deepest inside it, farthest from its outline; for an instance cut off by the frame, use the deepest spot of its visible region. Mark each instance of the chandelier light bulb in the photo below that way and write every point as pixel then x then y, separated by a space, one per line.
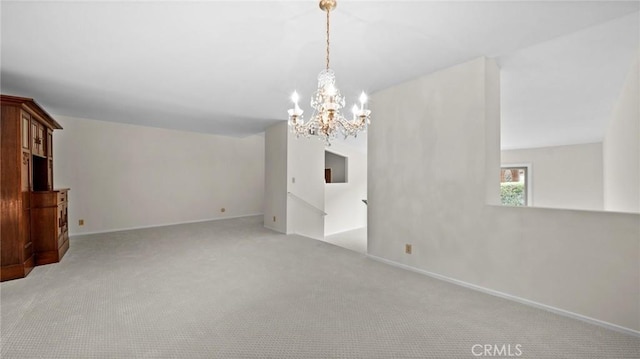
pixel 363 98
pixel 295 114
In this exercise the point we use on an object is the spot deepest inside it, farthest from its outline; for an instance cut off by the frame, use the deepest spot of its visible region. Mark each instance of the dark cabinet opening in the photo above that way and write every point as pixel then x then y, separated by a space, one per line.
pixel 40 173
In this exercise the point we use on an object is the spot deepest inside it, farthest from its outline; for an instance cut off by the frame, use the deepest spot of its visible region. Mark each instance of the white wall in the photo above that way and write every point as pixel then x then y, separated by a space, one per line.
pixel 294 183
pixel 305 207
pixel 124 176
pixel 434 155
pixel 275 194
pixel 621 148
pixel 563 176
pixel 343 201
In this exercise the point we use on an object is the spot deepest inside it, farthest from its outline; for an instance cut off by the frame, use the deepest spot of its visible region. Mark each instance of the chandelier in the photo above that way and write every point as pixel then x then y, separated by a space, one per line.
pixel 327 102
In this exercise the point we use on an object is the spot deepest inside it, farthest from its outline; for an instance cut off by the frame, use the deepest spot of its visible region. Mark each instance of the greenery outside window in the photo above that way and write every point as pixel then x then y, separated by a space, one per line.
pixel 514 186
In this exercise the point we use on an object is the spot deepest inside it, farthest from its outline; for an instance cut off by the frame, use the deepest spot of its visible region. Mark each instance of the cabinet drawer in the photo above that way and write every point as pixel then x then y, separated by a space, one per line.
pixel 62 196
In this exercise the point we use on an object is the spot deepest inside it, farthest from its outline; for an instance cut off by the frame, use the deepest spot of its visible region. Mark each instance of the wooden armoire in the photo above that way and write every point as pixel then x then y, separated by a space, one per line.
pixel 33 227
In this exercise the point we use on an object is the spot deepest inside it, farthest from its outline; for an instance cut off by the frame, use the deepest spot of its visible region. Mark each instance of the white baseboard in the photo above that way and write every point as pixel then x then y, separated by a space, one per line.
pixel 163 225
pixel 514 298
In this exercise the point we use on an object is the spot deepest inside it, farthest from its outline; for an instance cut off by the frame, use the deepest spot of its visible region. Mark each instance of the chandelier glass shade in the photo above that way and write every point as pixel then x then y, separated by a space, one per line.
pixel 327 102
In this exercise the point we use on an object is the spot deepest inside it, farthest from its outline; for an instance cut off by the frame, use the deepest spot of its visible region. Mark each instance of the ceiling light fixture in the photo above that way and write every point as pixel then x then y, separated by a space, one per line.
pixel 327 102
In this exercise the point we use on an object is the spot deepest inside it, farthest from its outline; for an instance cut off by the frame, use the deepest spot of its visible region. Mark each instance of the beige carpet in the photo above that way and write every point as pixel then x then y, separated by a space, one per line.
pixel 232 289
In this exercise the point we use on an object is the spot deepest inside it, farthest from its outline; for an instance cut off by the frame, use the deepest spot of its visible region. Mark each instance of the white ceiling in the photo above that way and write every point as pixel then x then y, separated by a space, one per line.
pixel 230 67
pixel 563 91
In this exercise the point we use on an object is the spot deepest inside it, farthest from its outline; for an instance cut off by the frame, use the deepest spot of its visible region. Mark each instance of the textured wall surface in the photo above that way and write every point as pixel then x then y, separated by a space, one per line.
pixel 305 182
pixel 275 191
pixel 621 148
pixel 126 176
pixel 432 169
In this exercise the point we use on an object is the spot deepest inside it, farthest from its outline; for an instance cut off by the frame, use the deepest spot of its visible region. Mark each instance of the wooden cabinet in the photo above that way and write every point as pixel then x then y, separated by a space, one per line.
pixel 31 213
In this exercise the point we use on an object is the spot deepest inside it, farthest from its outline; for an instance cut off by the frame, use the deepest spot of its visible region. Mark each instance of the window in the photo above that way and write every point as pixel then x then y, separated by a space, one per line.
pixel 514 185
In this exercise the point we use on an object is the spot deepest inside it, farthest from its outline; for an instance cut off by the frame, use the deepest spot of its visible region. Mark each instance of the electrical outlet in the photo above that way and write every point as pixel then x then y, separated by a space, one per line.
pixel 274 218
pixel 293 180
pixel 222 209
pixel 407 248
pixel 81 222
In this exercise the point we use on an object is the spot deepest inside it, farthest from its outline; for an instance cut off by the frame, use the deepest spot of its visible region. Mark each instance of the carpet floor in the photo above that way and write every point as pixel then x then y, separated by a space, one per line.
pixel 355 240
pixel 233 289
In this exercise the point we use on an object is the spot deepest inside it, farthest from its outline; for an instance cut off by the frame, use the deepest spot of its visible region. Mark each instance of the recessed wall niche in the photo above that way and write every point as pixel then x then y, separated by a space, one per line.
pixel 335 168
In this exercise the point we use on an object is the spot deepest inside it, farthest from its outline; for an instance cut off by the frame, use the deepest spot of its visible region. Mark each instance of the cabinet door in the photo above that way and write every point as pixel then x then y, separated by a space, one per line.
pixel 65 228
pixel 38 138
pixel 49 143
pixel 24 130
pixel 34 137
pixel 60 220
pixel 41 139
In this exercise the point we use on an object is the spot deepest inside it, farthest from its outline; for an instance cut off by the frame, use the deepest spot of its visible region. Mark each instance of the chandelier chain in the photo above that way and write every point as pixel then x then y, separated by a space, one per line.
pixel 328 39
